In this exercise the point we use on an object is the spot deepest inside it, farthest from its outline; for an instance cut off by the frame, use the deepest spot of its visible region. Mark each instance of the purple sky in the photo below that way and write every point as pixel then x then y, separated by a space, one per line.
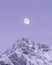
pixel 12 14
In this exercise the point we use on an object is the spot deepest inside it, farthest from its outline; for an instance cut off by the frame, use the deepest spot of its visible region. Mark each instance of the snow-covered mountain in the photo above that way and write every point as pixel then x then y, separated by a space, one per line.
pixel 27 52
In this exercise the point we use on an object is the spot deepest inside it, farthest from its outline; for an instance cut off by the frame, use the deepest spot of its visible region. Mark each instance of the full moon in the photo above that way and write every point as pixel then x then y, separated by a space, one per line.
pixel 26 21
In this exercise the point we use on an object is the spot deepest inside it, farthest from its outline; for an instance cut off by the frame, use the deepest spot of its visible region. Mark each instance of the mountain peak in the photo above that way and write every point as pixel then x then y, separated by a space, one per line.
pixel 30 52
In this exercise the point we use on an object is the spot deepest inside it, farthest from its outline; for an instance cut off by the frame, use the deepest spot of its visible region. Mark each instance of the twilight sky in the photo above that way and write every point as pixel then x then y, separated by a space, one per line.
pixel 12 14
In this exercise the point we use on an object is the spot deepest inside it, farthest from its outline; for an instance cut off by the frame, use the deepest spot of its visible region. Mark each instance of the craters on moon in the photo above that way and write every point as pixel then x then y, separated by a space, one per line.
pixel 26 21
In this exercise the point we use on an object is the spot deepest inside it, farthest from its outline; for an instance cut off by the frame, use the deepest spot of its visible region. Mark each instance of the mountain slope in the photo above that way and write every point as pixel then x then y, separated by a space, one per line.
pixel 27 52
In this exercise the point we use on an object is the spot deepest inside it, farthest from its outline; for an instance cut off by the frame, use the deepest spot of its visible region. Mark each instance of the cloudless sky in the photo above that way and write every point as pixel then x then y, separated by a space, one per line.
pixel 12 27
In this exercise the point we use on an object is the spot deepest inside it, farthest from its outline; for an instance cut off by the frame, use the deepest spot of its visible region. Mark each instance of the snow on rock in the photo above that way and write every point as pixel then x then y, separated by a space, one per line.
pixel 27 52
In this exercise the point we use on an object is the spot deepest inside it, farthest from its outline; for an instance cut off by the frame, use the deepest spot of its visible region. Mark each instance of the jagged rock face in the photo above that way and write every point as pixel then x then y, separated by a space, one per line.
pixel 26 52
pixel 16 60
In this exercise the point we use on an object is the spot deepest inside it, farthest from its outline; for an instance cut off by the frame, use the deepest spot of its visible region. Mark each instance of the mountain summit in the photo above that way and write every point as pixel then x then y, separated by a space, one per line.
pixel 27 52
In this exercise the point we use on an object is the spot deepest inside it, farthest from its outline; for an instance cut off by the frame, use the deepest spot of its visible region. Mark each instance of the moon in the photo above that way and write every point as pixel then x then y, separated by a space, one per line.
pixel 26 21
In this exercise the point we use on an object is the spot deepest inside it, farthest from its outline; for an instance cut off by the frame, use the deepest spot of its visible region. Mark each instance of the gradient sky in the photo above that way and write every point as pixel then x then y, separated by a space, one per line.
pixel 12 14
